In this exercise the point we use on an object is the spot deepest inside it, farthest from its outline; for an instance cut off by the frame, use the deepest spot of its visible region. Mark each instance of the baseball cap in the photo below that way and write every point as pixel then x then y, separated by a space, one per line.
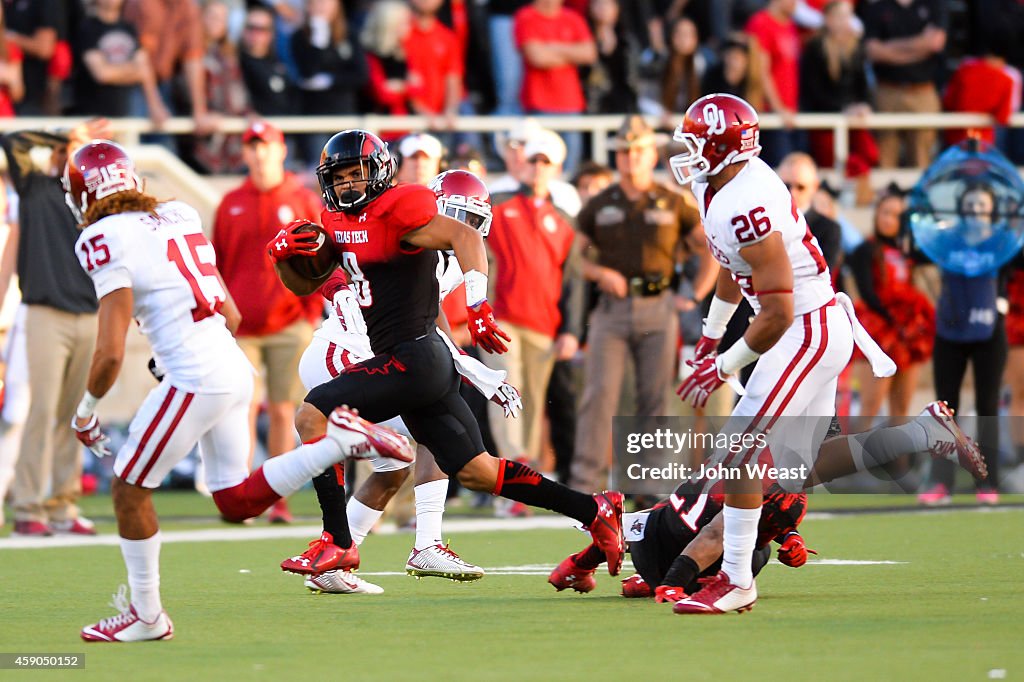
pixel 262 131
pixel 420 142
pixel 547 143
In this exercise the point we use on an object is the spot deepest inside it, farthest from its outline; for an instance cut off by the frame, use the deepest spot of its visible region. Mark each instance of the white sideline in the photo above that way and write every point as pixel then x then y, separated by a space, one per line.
pixel 232 534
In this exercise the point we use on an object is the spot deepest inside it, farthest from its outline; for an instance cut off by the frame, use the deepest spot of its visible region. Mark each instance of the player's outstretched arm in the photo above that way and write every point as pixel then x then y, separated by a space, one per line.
pixel 443 232
pixel 701 552
pixel 115 315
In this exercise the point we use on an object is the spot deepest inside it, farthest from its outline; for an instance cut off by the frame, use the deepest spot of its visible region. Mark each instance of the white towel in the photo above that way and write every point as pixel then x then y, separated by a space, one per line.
pixel 881 364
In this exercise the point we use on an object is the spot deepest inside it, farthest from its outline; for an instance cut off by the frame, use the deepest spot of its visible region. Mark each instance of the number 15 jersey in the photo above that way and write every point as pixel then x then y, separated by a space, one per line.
pixel 170 266
pixel 746 210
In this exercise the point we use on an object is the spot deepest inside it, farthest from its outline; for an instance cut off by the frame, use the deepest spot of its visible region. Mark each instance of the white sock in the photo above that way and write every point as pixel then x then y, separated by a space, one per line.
pixel 142 557
pixel 361 519
pixel 876 447
pixel 287 473
pixel 430 498
pixel 738 548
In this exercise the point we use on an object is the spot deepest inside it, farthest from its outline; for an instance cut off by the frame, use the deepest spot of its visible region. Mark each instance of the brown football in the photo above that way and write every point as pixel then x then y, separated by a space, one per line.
pixel 321 265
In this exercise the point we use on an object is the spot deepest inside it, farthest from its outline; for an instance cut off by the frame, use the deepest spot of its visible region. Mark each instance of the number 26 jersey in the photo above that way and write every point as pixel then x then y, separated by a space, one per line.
pixel 170 266
pixel 745 211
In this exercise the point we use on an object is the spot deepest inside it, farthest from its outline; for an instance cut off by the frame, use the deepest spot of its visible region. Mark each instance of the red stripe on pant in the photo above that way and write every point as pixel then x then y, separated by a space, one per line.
pixel 815 359
pixel 141 479
pixel 756 419
pixel 149 433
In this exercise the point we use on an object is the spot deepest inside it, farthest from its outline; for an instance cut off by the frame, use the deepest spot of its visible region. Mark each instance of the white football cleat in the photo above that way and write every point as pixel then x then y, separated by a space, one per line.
pixel 439 561
pixel 375 439
pixel 127 626
pixel 718 595
pixel 340 582
pixel 947 441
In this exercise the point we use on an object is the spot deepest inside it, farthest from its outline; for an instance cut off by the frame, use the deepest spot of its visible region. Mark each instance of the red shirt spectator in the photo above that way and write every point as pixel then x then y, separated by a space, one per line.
pixel 530 241
pixel 779 39
pixel 434 56
pixel 986 86
pixel 12 88
pixel 246 220
pixel 554 41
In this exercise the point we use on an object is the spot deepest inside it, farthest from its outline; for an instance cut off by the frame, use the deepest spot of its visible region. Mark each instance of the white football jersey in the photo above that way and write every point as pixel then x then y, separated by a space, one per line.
pixel 747 209
pixel 170 266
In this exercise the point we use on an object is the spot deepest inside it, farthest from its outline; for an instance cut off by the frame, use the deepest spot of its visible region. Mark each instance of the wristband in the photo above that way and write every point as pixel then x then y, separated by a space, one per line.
pixel 718 318
pixel 476 287
pixel 87 406
pixel 736 358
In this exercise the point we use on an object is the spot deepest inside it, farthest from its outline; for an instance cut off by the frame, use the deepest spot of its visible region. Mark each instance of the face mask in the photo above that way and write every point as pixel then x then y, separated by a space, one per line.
pixel 350 196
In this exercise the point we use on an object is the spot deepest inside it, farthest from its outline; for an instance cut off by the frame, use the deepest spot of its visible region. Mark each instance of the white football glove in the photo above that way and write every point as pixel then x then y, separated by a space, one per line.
pixel 508 397
pixel 92 437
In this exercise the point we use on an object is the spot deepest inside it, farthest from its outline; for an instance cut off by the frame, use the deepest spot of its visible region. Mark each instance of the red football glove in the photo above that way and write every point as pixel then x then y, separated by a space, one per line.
pixel 793 552
pixel 508 397
pixel 705 379
pixel 484 331
pixel 668 594
pixel 92 437
pixel 288 242
pixel 706 346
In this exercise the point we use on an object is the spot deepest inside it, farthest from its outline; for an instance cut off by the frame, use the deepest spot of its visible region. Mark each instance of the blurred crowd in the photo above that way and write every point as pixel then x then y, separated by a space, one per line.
pixel 443 58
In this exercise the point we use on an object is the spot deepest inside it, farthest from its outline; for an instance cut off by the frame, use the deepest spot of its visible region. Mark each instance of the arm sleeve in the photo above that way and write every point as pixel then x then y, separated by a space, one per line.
pixel 860 262
pixel 337 280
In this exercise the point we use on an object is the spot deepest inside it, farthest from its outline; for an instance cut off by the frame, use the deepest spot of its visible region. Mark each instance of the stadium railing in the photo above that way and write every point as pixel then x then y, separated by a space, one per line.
pixel 598 127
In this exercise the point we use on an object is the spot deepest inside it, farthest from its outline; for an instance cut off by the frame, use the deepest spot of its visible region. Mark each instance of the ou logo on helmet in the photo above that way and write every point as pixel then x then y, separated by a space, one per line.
pixel 714 118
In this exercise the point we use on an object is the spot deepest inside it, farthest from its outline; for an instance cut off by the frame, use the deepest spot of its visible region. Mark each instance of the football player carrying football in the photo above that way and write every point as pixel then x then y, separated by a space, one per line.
pixel 385 237
pixel 802 336
pixel 342 342
pixel 150 262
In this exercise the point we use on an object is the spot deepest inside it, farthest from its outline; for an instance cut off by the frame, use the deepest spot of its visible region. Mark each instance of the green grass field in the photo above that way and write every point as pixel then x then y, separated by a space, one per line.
pixel 950 610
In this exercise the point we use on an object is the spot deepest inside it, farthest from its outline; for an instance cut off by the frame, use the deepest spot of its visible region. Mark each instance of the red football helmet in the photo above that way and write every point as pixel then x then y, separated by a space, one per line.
pixel 463 196
pixel 97 170
pixel 718 130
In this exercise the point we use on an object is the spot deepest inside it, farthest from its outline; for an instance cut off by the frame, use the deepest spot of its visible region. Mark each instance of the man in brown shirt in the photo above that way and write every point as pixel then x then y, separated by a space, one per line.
pixel 634 232
pixel 171 33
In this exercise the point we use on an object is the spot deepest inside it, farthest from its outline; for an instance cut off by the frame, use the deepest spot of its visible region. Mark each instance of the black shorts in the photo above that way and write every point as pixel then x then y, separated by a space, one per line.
pixel 416 380
pixel 653 556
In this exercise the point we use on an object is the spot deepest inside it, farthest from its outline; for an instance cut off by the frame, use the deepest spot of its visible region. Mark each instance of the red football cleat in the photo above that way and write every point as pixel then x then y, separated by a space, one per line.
pixel 323 555
pixel 718 595
pixel 606 529
pixel 574 572
pixel 634 587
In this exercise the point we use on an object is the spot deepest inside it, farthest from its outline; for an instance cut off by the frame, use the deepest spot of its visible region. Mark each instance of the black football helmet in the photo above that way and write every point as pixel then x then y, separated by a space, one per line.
pixel 354 148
